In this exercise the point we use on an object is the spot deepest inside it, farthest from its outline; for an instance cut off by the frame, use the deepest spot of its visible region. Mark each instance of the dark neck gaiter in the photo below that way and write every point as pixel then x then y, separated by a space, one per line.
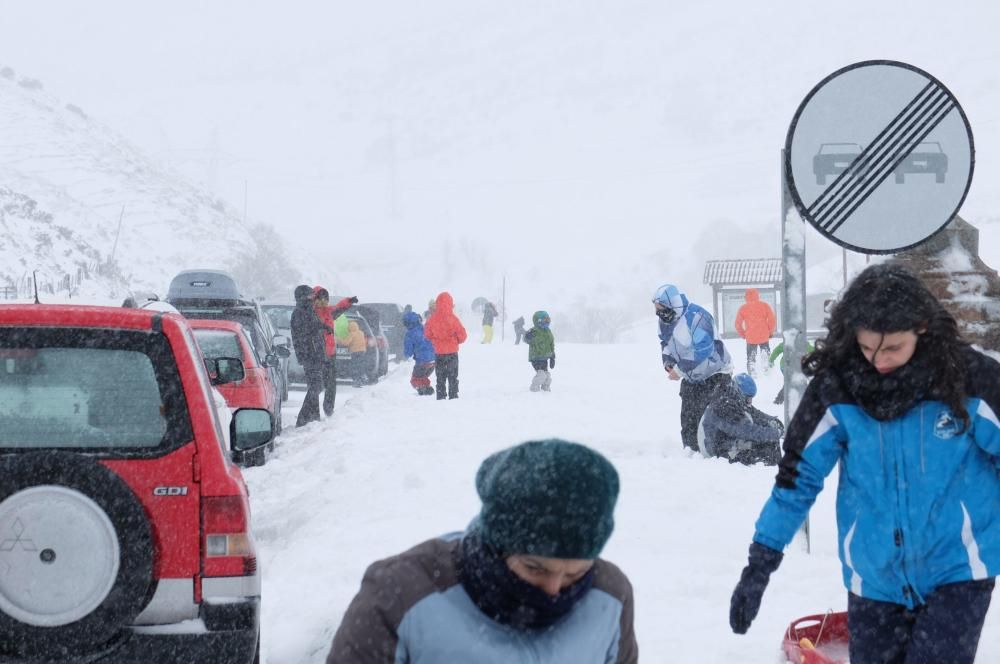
pixel 504 596
pixel 886 397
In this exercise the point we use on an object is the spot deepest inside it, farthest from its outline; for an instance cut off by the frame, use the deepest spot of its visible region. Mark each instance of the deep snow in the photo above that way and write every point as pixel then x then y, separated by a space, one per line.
pixel 391 469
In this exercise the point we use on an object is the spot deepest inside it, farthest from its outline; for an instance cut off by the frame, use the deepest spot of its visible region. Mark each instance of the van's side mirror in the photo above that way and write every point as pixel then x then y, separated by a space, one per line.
pixel 224 370
pixel 280 340
pixel 272 360
pixel 251 428
pixel 282 352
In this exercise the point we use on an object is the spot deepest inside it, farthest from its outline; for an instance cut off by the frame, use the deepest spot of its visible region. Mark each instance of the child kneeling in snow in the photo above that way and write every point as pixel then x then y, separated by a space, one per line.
pixel 416 345
pixel 541 351
pixel 733 429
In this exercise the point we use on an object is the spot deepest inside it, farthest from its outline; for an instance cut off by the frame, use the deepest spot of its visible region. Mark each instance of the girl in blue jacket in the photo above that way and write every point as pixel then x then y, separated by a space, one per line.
pixel 908 411
pixel 416 345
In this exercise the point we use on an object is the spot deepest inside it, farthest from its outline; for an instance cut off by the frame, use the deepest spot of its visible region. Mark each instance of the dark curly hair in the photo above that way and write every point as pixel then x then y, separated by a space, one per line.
pixel 888 298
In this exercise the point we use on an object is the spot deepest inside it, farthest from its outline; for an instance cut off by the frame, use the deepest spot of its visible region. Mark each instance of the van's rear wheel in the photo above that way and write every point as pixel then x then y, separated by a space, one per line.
pixel 76 554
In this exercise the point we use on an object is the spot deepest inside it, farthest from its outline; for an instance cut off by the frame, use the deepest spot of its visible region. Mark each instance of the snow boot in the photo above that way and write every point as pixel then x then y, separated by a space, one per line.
pixel 547 383
pixel 538 380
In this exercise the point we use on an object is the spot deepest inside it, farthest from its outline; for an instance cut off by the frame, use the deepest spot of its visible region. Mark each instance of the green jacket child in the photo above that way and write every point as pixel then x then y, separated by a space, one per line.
pixel 541 351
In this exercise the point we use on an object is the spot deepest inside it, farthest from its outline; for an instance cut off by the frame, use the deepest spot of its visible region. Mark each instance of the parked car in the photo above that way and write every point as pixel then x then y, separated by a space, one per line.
pixel 833 159
pixel 391 317
pixel 374 361
pixel 125 524
pixel 214 295
pixel 223 339
pixel 925 158
pixel 281 319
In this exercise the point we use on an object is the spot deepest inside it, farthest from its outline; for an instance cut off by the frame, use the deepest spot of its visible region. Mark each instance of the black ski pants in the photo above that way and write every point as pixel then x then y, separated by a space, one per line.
pixel 694 400
pixel 752 350
pixel 314 385
pixel 329 385
pixel 447 372
pixel 943 630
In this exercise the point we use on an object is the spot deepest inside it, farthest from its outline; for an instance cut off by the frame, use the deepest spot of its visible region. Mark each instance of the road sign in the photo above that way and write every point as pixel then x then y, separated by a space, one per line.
pixel 879 156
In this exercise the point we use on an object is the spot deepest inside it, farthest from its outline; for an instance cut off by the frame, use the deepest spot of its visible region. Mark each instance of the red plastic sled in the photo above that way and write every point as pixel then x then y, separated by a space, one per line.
pixel 819 639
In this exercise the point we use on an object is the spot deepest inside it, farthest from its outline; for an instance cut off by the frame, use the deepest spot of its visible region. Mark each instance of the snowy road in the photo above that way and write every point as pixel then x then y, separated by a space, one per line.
pixel 391 469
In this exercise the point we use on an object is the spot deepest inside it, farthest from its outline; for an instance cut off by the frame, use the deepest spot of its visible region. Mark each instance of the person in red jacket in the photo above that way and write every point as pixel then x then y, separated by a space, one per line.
pixel 755 322
pixel 445 332
pixel 328 313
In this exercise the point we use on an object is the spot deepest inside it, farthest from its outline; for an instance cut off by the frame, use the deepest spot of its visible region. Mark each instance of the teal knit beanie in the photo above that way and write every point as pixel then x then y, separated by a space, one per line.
pixel 548 498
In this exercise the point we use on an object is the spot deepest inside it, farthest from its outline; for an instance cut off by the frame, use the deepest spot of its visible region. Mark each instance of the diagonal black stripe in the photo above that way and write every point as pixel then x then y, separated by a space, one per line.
pixel 917 101
pixel 888 153
pixel 879 154
pixel 906 144
pixel 922 134
pixel 905 119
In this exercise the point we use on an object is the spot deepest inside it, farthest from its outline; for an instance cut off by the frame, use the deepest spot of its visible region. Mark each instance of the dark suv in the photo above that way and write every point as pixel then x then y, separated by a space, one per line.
pixel 391 318
pixel 124 525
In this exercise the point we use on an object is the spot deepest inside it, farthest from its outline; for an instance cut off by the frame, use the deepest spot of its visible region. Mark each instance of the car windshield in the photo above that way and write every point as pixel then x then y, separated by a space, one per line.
pixel 218 343
pixel 89 389
pixel 281 317
pixel 840 148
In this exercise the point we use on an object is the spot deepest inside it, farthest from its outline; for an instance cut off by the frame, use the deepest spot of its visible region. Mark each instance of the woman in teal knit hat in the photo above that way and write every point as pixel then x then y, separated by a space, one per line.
pixel 523 583
pixel 541 351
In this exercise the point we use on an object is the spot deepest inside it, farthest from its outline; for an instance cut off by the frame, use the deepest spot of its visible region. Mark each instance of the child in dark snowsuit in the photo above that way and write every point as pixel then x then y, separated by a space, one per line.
pixel 733 429
pixel 541 351
pixel 416 345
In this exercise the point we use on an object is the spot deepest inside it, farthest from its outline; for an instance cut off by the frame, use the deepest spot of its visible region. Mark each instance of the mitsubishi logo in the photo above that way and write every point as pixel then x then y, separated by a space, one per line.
pixel 17 529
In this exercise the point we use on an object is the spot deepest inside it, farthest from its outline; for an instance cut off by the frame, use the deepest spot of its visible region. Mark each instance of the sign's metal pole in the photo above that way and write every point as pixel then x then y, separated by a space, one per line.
pixel 793 304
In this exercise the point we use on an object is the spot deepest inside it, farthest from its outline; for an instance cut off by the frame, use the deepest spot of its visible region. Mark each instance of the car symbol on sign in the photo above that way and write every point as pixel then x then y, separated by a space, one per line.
pixel 833 159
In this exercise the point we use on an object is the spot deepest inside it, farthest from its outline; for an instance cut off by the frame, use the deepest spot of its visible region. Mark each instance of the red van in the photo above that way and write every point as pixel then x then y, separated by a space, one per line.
pixel 124 525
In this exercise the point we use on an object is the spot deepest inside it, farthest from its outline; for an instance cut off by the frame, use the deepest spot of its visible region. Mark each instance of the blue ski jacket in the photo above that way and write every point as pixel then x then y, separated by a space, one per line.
pixel 918 500
pixel 690 344
pixel 415 344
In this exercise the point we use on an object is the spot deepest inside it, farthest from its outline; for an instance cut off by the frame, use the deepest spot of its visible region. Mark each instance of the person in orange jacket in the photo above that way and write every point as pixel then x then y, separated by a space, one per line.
pixel 755 322
pixel 445 332
pixel 327 314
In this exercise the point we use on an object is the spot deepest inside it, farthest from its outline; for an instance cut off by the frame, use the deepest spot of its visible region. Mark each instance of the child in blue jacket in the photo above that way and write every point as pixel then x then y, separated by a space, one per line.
pixel 908 412
pixel 416 345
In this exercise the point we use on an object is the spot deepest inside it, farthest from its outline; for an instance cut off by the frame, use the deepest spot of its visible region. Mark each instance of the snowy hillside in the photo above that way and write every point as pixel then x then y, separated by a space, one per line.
pixel 66 179
pixel 391 469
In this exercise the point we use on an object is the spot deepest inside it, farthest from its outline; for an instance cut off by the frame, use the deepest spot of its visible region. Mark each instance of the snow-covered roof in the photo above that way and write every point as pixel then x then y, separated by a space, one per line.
pixel 743 271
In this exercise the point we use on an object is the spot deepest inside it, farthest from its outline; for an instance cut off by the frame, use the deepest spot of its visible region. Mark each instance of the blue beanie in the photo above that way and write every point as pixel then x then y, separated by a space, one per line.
pixel 549 498
pixel 746 384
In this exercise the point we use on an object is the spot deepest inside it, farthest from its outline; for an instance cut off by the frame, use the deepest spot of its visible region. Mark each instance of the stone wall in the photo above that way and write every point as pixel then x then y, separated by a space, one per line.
pixel 950 266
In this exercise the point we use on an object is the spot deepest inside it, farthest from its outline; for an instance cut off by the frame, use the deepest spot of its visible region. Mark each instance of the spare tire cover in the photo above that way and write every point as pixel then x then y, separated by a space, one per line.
pixel 76 553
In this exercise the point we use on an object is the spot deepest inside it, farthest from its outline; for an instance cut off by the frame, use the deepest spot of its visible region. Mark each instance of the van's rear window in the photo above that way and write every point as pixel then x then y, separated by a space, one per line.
pixel 91 389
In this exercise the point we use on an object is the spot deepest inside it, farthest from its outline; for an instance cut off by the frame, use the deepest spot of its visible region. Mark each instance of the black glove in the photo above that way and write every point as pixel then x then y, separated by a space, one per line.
pixel 354 299
pixel 745 602
pixel 552 362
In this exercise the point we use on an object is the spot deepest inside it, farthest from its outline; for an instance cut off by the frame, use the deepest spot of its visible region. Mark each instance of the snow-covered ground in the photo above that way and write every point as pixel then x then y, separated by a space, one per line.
pixel 391 469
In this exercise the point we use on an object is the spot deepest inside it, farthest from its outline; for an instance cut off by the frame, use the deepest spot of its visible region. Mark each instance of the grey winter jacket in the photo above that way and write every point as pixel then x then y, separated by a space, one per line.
pixel 412 609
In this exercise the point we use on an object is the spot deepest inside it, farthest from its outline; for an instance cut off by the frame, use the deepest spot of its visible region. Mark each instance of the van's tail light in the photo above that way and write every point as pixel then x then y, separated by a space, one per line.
pixel 229 551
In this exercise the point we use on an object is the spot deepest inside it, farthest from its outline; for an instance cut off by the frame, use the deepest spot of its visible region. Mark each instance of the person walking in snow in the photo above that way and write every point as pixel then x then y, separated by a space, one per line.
pixel 541 351
pixel 328 314
pixel 733 429
pixel 445 332
pixel 692 353
pixel 523 583
pixel 755 322
pixel 307 340
pixel 907 410
pixel 779 352
pixel 416 345
pixel 489 314
pixel 518 329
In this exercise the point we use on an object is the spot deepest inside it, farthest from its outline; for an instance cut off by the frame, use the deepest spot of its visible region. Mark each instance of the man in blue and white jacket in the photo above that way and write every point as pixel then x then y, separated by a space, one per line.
pixel 693 353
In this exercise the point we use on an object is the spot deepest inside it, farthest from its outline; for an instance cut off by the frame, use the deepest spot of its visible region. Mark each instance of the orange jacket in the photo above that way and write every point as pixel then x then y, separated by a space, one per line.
pixel 755 320
pixel 356 341
pixel 443 329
